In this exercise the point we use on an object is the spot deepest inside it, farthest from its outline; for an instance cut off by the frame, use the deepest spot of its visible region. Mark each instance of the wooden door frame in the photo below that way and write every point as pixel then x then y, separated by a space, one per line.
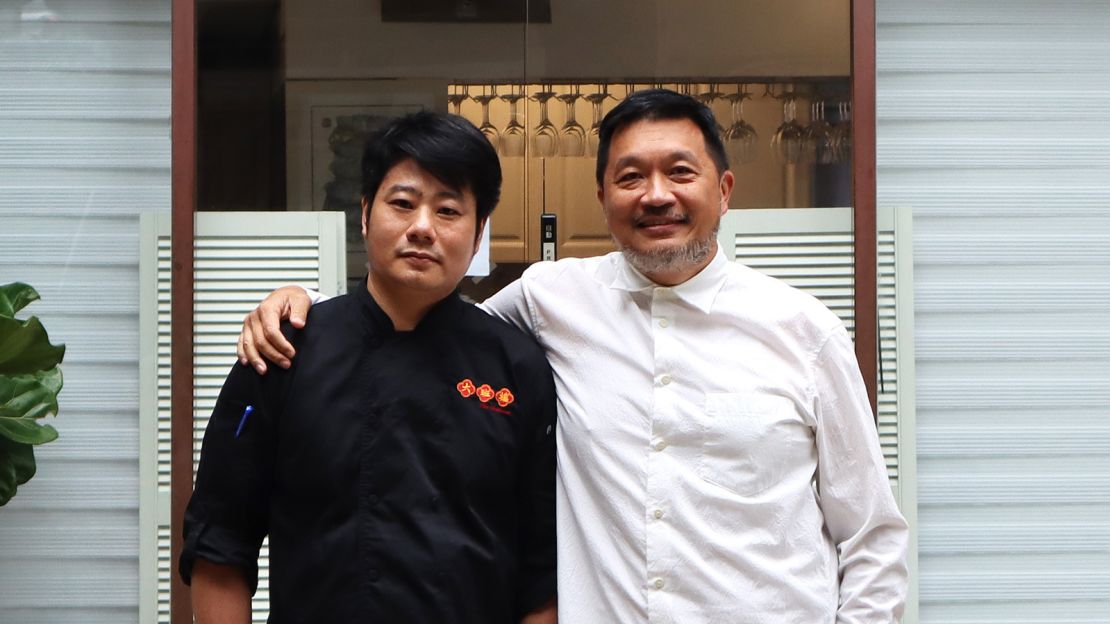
pixel 183 156
pixel 863 195
pixel 184 198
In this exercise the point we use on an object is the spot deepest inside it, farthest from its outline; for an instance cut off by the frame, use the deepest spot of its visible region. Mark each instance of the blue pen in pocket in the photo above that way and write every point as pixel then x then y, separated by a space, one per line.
pixel 243 420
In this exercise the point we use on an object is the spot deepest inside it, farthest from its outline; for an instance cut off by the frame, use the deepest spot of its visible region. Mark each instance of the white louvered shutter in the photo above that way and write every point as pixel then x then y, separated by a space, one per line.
pixel 239 259
pixel 811 249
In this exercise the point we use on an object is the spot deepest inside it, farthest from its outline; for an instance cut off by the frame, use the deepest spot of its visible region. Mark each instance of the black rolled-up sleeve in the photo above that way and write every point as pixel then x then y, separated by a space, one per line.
pixel 536 499
pixel 226 519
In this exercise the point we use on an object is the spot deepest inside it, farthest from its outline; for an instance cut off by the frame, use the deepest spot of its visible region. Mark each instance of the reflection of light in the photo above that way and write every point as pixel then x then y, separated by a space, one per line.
pixel 37 11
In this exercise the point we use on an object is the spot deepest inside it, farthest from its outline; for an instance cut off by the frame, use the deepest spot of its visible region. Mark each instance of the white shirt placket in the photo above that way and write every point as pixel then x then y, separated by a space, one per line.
pixel 661 476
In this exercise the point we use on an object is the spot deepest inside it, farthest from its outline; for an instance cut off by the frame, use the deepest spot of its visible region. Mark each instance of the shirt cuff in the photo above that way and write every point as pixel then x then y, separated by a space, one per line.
pixel 313 296
pixel 219 546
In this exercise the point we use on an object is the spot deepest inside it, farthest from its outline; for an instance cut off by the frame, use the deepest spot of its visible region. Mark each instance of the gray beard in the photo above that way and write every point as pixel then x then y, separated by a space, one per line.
pixel 672 259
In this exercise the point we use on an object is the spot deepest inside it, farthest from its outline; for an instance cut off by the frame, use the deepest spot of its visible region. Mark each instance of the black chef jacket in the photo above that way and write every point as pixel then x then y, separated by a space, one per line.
pixel 401 476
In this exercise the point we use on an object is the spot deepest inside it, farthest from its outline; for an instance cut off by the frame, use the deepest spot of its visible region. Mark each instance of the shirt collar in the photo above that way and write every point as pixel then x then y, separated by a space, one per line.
pixel 699 291
pixel 379 322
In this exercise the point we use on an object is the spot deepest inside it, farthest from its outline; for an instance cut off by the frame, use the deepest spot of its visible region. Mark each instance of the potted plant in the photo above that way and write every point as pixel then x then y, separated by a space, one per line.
pixel 29 384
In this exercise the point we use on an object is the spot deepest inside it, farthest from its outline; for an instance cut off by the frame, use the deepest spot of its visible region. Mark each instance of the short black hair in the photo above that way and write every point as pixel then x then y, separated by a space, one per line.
pixel 447 146
pixel 659 104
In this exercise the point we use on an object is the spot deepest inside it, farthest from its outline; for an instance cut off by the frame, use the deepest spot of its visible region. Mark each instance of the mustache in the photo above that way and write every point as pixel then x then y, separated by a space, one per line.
pixel 664 214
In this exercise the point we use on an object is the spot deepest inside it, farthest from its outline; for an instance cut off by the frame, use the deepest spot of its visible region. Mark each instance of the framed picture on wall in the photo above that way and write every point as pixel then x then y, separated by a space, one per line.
pixel 327 123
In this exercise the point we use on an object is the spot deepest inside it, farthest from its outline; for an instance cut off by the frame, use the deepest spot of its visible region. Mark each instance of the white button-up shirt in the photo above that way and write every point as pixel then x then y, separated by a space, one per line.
pixel 718 460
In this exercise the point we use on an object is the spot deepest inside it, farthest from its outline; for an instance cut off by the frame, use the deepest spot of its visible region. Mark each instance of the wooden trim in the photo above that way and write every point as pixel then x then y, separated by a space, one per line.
pixel 863 192
pixel 183 172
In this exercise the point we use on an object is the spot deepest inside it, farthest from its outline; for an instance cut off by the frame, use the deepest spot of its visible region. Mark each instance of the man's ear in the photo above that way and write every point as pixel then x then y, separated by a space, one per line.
pixel 478 234
pixel 727 182
pixel 365 215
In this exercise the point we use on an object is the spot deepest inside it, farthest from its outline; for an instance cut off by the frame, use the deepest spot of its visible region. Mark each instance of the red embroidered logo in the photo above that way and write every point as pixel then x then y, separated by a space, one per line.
pixel 485 394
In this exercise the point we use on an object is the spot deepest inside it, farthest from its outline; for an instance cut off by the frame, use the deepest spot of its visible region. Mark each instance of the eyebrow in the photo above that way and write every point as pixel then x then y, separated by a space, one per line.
pixel 673 156
pixel 405 188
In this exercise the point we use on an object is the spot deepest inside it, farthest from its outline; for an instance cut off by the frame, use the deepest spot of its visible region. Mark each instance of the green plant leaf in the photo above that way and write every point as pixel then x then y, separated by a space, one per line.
pixel 25 398
pixel 17 466
pixel 30 396
pixel 14 297
pixel 25 347
pixel 27 431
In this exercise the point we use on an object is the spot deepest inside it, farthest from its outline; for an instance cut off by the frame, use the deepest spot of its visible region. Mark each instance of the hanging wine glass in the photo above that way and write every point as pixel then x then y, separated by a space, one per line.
pixel 788 138
pixel 455 99
pixel 842 132
pixel 513 139
pixel 593 135
pixel 708 98
pixel 489 130
pixel 545 138
pixel 572 137
pixel 819 140
pixel 740 137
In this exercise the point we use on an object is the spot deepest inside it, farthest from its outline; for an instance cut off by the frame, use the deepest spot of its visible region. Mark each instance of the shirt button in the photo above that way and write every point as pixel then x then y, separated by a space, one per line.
pixel 658 513
pixel 373 499
pixel 663 322
pixel 665 380
pixel 658 583
pixel 659 445
pixel 373 575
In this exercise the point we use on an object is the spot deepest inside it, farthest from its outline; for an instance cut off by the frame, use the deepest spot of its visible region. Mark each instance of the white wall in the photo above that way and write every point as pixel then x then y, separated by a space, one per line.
pixel 994 125
pixel 84 148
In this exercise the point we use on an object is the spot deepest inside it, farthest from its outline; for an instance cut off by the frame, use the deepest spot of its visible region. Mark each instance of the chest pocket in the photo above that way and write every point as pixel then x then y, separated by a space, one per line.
pixel 751 441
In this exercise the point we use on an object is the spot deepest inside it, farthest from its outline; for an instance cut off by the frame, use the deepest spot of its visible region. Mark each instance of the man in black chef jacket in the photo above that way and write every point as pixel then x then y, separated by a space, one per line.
pixel 427 493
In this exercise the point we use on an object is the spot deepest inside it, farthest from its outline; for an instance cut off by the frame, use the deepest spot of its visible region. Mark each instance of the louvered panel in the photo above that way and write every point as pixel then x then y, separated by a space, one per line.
pixel 165 569
pixel 977 149
pixel 1012 267
pixel 106 583
pixel 113 53
pixel 101 290
pixel 1034 12
pixel 239 259
pixel 110 339
pixel 1075 193
pixel 979 56
pixel 84 104
pixel 85 487
pixel 61 535
pixel 1017 104
pixel 111 11
pixel 81 198
pixel 113 438
pixel 1075 529
pixel 98 152
pixel 99 240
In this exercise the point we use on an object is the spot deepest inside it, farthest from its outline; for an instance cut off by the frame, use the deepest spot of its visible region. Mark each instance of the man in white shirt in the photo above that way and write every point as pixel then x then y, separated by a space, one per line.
pixel 718 459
